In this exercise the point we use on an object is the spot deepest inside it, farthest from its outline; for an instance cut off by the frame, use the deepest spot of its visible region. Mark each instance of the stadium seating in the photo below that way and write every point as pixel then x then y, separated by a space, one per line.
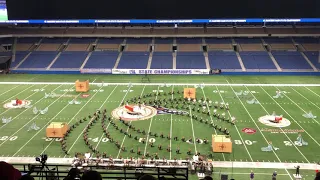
pixel 102 59
pixel 39 59
pixel 223 60
pixel 189 41
pixel 82 40
pixel 133 60
pixel 71 59
pixel 291 60
pixel 190 60
pixel 138 40
pixel 313 56
pixel 162 60
pixel 256 60
pixel 54 40
pixel 20 55
pixel 163 41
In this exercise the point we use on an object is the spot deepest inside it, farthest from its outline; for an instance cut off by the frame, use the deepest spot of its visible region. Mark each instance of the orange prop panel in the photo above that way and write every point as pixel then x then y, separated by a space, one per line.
pixel 82 86
pixel 221 144
pixel 57 130
pixel 189 93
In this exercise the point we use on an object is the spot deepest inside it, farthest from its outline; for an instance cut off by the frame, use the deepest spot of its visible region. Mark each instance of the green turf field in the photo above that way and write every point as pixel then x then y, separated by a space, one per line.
pixel 298 99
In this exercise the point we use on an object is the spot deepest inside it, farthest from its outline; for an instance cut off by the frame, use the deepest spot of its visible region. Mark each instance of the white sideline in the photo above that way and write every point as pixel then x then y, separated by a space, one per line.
pixel 176 84
pixel 222 164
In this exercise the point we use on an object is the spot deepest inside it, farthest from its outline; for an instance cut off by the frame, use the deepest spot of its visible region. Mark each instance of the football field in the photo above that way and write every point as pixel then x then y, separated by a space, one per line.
pixel 253 101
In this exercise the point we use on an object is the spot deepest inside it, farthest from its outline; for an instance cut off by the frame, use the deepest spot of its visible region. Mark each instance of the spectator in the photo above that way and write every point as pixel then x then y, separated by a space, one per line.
pixel 91 175
pixel 317 176
pixel 73 174
pixel 8 172
pixel 26 177
pixel 147 177
pixel 207 178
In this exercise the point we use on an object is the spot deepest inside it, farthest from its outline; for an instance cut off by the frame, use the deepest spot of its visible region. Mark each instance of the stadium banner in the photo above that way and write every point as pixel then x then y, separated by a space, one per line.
pixel 96 71
pixel 159 21
pixel 160 71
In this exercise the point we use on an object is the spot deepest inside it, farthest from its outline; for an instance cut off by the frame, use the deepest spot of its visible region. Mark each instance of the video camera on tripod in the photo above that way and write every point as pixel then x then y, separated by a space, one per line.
pixel 42 158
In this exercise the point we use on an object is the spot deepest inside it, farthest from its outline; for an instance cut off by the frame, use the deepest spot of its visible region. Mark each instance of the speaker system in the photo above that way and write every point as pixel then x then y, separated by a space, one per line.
pixel 224 177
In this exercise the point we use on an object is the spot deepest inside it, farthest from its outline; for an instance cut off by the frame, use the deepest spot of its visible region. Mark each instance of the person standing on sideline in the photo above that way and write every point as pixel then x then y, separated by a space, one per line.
pixel 274 175
pixel 251 175
pixel 297 170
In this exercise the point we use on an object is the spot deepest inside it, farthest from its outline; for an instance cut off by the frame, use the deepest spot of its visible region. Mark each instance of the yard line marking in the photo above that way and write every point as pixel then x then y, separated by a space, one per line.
pixel 43 127
pixel 245 146
pixel 18 94
pixel 290 116
pixel 128 128
pixel 128 90
pixel 10 90
pixel 30 121
pixel 26 109
pixel 297 105
pixel 211 117
pixel 194 138
pixel 312 92
pixel 73 118
pixel 85 128
pixel 171 126
pixel 280 128
pixel 176 84
pixel 310 102
pixel 145 148
pixel 257 127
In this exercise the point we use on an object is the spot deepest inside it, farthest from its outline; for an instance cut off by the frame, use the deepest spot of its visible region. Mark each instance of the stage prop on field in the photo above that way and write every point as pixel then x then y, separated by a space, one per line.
pixel 82 86
pixel 189 93
pixel 6 120
pixel 269 148
pixel 57 130
pixel 36 111
pixel 309 115
pixel 33 126
pixel 221 144
pixel 74 101
pixel 253 101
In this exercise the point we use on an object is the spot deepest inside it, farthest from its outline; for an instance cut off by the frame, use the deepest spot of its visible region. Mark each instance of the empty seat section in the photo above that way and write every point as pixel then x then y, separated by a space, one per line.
pixel 110 40
pixel 257 60
pixel 163 48
pixel 291 60
pixel 218 40
pixel 219 31
pixel 311 47
pixel 223 60
pixel 39 59
pixel 216 44
pixel 108 47
pixel 190 30
pixel 313 56
pixel 251 47
pixel 48 47
pixel 306 40
pixel 20 55
pixel 162 60
pixel 77 47
pixel 72 59
pixel 190 60
pixel 189 47
pixel 280 43
pixel 133 60
pixel 82 40
pixel 159 30
pixel 137 31
pixel 102 59
pixel 138 40
pixel 248 40
pixel 6 40
pixel 189 41
pixel 23 47
pixel 54 40
pixel 137 47
pixel 28 40
pixel 163 41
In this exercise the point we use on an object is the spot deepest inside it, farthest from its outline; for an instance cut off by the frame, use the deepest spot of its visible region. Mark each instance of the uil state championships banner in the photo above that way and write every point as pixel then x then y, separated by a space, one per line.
pixel 160 71
pixel 97 71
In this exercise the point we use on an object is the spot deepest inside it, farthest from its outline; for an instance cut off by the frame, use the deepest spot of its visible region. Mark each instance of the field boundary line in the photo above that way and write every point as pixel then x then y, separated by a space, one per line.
pixel 243 142
pixel 290 116
pixel 305 98
pixel 31 120
pixel 204 94
pixel 258 127
pixel 171 125
pixel 312 91
pixel 72 118
pixel 279 128
pixel 176 84
pixel 221 164
pixel 86 126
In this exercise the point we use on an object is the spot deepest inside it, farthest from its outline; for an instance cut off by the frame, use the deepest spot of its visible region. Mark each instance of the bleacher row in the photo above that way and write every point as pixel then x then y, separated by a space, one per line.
pixel 229 54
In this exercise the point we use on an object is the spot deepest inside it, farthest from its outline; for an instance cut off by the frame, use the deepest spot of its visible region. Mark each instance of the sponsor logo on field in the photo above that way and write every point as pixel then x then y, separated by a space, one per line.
pixel 249 130
pixel 12 104
pixel 85 95
pixel 268 120
pixel 138 113
pixel 287 131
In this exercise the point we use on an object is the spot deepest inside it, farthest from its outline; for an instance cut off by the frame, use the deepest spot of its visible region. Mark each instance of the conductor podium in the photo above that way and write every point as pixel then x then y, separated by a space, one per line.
pixel 221 144
pixel 56 130
pixel 82 86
